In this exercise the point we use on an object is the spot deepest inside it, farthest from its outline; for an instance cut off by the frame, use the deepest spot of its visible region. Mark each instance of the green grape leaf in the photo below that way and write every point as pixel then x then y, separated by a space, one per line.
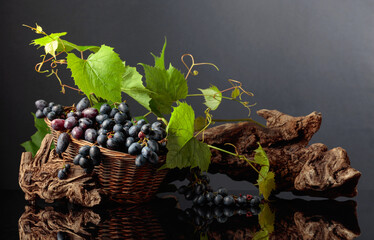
pixel 166 86
pixel 213 97
pixel 41 42
pixel 101 74
pixel 132 85
pixel 51 47
pixel 160 61
pixel 184 150
pixel 199 123
pixel 235 93
pixel 266 185
pixel 266 180
pixel 67 46
pixel 33 145
pixel 260 156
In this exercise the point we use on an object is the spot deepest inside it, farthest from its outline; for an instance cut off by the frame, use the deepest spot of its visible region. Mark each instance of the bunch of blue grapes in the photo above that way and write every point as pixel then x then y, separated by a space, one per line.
pixel 88 157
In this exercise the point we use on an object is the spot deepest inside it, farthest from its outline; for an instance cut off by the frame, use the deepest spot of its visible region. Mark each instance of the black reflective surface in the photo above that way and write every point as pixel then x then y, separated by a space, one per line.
pixel 172 217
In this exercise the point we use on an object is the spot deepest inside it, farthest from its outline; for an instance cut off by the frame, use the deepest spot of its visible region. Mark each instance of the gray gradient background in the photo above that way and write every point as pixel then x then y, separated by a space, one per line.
pixel 296 56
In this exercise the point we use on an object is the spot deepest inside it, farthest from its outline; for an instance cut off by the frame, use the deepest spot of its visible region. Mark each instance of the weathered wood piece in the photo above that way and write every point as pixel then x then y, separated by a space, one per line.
pixel 38 178
pixel 304 170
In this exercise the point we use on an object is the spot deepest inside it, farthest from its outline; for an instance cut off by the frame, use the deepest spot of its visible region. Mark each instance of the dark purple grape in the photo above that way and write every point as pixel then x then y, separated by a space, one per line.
pixel 140 160
pixel 76 159
pixel 199 189
pixel 153 158
pixel 126 131
pixel 112 144
pixel 58 109
pixel 101 118
pixel 95 155
pixel 108 124
pixel 153 145
pixel 123 107
pixel 146 152
pixel 222 191
pixel 157 125
pixel 140 123
pixel 209 196
pixel 218 200
pixel 201 200
pixel 85 123
pixel 241 201
pixel 90 113
pixel 61 174
pixel 90 135
pixel 83 104
pixel 78 114
pixel 255 201
pixel 105 109
pixel 70 123
pixel 113 112
pixel 118 128
pixel 120 138
pixel 67 167
pixel 129 141
pixel 58 124
pixel 71 114
pixel 102 139
pixel 133 131
pixel 128 123
pixel 120 118
pixel 134 149
pixel 77 132
pixel 39 114
pixel 228 200
pixel 46 110
pixel 155 135
pixel 85 162
pixel 84 150
pixel 41 104
pixel 62 143
pixel 146 128
pixel 102 131
pixel 51 116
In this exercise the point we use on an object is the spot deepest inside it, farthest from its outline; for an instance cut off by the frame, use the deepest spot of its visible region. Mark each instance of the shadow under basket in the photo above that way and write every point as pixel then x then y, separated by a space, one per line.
pixel 118 176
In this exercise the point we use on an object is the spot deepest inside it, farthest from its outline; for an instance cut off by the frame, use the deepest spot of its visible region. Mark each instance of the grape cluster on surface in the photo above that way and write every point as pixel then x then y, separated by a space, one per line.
pixel 109 127
pixel 63 173
pixel 88 157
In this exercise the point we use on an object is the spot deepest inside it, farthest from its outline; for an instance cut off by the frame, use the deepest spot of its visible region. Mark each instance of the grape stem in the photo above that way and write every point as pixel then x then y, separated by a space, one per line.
pixel 239 120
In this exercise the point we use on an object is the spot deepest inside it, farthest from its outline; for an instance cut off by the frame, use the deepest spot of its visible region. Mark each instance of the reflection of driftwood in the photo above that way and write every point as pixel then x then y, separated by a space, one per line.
pixel 297 219
pixel 46 223
pixel 38 178
pixel 307 170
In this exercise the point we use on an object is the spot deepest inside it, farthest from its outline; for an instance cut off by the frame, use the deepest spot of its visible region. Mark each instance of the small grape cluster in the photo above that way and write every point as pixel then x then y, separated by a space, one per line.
pixel 49 110
pixel 88 157
pixel 63 173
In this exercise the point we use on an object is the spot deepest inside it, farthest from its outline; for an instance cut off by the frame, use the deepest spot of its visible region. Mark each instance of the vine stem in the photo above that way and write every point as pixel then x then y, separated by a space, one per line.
pixel 237 155
pixel 239 120
pixel 147 113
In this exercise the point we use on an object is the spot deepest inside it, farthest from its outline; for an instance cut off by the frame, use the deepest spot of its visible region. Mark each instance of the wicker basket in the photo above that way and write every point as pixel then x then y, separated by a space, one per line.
pixel 118 176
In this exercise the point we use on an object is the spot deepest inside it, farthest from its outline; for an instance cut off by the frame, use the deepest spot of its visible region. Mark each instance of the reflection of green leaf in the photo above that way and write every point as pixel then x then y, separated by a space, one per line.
pixel 184 149
pixel 261 235
pixel 266 220
pixel 199 123
pixel 213 97
pixel 33 145
pixel 100 74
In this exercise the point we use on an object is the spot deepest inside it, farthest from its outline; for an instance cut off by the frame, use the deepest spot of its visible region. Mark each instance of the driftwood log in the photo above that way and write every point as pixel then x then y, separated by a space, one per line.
pixel 38 178
pixel 304 170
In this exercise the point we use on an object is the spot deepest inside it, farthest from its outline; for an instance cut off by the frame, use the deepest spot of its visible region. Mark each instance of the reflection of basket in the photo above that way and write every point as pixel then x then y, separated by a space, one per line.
pixel 119 178
pixel 137 223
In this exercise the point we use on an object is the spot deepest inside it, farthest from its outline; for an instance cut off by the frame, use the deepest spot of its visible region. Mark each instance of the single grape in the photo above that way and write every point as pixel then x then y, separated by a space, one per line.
pixel 123 107
pixel 102 131
pixel 118 128
pixel 255 201
pixel 113 112
pixel 120 118
pixel 126 131
pixel 199 189
pixel 152 144
pixel 241 201
pixel 102 139
pixel 46 110
pixel 51 116
pixel 70 122
pixel 39 114
pixel 62 143
pixel 120 137
pixel 153 158
pixel 90 135
pixel 155 135
pixel 61 174
pixel 140 123
pixel 201 200
pixel 84 150
pixel 128 123
pixel 58 109
pixel 218 200
pixel 51 104
pixel 108 124
pixel 71 114
pixel 95 155
pixel 105 109
pixel 83 104
pixel 77 132
pixel 209 196
pixel 90 113
pixel 133 131
pixel 67 167
pixel 112 144
pixel 158 125
pixel 78 114
pixel 129 141
pixel 85 123
pixel 134 149
pixel 101 118
pixel 41 104
pixel 146 152
pixel 146 128
pixel 140 160
pixel 84 162
pixel 76 159
pixel 228 200
pixel 222 191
